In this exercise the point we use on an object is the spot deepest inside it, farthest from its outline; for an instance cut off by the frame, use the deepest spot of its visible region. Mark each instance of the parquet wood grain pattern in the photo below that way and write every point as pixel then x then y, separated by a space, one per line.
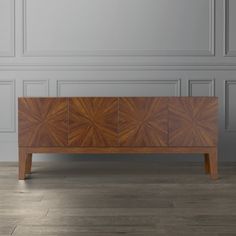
pixel 43 122
pixel 93 122
pixel 193 121
pixel 143 121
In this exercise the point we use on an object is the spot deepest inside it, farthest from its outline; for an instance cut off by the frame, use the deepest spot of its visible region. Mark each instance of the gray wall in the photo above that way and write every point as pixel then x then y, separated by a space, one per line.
pixel 117 48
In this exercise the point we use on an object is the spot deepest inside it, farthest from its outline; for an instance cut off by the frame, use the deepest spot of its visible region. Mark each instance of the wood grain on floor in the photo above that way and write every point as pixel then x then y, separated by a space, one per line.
pixel 101 198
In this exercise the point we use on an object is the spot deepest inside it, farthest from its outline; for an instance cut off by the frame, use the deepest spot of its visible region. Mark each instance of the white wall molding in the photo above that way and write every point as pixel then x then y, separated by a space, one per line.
pixel 11 52
pixel 212 25
pixel 175 82
pixel 227 51
pixel 205 82
pixel 41 85
pixel 119 67
pixel 227 108
pixel 126 53
pixel 11 109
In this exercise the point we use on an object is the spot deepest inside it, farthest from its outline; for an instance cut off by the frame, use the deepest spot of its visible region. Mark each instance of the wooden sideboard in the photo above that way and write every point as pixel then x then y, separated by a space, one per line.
pixel 118 125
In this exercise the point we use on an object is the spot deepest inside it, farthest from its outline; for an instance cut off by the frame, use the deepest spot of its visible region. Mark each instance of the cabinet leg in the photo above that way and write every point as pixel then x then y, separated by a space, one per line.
pixel 207 163
pixel 213 164
pixel 28 163
pixel 25 163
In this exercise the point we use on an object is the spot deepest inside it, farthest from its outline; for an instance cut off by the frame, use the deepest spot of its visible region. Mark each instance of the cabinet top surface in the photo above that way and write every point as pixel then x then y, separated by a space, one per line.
pixel 169 97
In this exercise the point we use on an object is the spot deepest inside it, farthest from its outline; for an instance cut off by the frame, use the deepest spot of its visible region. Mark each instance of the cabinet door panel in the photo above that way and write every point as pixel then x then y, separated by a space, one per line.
pixel 93 122
pixel 43 122
pixel 193 121
pixel 143 121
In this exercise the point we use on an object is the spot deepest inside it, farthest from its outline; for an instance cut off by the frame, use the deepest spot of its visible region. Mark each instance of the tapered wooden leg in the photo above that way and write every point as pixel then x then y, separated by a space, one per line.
pixel 22 163
pixel 28 163
pixel 207 163
pixel 213 164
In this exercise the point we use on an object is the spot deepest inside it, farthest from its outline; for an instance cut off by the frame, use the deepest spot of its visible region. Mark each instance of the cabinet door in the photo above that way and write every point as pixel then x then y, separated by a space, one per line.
pixel 43 122
pixel 193 121
pixel 93 122
pixel 143 121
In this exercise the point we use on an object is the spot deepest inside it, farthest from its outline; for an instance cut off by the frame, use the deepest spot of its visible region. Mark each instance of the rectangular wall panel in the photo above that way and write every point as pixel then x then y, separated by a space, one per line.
pixel 7 106
pixel 230 105
pixel 230 28
pixel 35 88
pixel 201 88
pixel 118 27
pixel 119 88
pixel 7 27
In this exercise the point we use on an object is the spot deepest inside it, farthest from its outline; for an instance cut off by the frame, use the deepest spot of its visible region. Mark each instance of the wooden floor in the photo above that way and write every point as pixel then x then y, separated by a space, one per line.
pixel 93 198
